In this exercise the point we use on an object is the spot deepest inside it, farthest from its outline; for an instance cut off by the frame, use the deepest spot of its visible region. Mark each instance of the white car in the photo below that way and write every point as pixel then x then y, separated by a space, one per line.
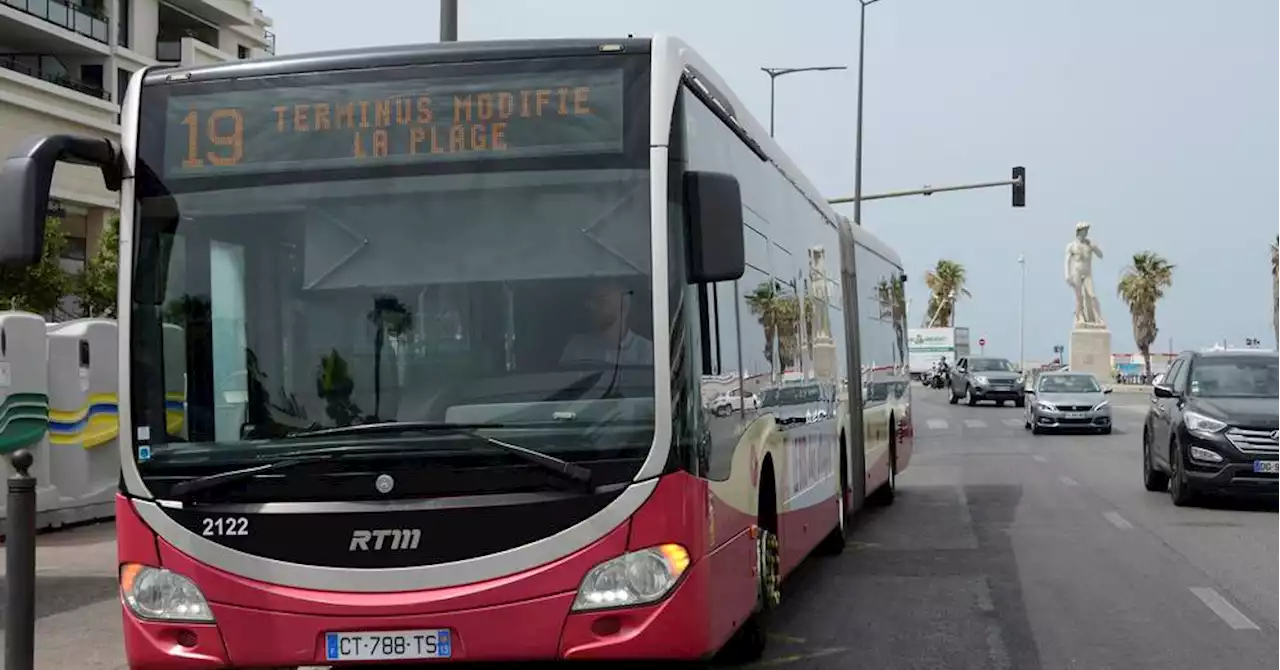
pixel 726 403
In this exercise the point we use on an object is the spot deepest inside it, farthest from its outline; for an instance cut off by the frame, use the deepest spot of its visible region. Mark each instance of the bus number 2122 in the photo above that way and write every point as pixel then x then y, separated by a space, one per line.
pixel 227 525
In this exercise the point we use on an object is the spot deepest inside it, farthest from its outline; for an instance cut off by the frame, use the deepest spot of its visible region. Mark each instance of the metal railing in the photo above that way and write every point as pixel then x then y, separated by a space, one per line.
pixel 52 75
pixel 76 19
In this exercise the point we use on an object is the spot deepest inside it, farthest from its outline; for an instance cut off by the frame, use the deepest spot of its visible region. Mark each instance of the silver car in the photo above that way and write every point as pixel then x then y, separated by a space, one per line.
pixel 1068 400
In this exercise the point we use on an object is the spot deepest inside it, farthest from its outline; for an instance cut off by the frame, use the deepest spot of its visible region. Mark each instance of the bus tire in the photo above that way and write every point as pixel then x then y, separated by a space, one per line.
pixel 748 643
pixel 833 544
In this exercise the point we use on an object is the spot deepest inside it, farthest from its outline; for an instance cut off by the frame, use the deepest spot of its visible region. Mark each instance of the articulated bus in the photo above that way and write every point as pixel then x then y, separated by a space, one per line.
pixel 446 321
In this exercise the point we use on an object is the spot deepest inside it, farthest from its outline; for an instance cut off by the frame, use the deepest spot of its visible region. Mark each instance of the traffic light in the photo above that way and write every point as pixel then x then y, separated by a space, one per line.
pixel 1019 186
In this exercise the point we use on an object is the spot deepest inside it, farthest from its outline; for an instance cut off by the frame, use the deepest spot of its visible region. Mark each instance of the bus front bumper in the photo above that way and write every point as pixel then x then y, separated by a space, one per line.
pixel 535 629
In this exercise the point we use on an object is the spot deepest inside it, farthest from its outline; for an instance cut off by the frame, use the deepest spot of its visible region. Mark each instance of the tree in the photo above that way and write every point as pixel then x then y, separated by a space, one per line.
pixel 1275 289
pixel 1141 286
pixel 946 285
pixel 96 286
pixel 893 307
pixel 39 288
pixel 777 308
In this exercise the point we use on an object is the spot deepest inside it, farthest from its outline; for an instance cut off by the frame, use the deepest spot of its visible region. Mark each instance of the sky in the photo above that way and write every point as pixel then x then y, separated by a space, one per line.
pixel 1153 120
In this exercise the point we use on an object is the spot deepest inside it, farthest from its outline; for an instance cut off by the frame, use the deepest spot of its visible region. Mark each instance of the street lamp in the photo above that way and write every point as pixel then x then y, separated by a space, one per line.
pixel 857 158
pixel 1022 314
pixel 775 72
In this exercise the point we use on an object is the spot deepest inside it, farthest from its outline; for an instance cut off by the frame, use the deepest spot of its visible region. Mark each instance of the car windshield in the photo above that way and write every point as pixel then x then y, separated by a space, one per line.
pixel 291 292
pixel 1069 384
pixel 1235 377
pixel 990 365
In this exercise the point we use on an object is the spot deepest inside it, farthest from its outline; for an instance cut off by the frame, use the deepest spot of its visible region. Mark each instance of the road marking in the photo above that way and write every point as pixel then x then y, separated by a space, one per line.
pixel 792 658
pixel 1117 520
pixel 1040 459
pixel 1068 481
pixel 1014 423
pixel 975 423
pixel 937 424
pixel 1225 610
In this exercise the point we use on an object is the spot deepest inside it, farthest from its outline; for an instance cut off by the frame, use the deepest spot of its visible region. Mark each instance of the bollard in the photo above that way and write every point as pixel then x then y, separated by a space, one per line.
pixel 20 566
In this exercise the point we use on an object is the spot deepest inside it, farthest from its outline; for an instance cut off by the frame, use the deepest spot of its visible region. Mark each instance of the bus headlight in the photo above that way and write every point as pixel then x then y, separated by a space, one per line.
pixel 163 595
pixel 635 578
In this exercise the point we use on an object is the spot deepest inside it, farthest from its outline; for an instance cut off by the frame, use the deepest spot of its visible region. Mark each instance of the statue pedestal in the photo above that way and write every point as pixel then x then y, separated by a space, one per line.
pixel 1090 351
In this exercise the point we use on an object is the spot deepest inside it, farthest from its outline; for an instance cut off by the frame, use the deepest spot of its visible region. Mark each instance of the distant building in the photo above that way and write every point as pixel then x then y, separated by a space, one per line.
pixel 64 66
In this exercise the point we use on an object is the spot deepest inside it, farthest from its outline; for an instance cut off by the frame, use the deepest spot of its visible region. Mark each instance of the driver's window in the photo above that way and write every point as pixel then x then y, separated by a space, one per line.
pixel 1177 376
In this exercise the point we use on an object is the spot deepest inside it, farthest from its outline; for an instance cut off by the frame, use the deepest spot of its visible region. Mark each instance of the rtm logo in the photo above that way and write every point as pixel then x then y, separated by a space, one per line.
pixel 401 539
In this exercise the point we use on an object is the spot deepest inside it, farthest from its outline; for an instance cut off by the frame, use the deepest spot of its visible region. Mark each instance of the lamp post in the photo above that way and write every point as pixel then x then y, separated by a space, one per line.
pixel 448 20
pixel 857 158
pixel 775 72
pixel 1022 313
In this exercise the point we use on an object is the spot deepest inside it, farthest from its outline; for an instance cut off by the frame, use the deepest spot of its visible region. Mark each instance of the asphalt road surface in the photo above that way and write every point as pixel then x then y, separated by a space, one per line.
pixel 1003 551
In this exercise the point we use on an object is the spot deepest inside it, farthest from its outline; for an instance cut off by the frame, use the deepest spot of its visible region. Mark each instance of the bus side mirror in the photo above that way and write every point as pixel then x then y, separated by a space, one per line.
pixel 26 177
pixel 713 216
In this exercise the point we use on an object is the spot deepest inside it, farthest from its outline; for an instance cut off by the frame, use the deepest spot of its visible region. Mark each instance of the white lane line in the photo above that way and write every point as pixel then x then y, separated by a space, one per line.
pixel 1225 610
pixel 1040 459
pixel 1014 423
pixel 1117 520
pixel 1068 481
pixel 975 423
pixel 937 424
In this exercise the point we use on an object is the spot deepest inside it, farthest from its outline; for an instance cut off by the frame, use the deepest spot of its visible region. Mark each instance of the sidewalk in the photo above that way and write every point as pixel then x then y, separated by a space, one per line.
pixel 78 625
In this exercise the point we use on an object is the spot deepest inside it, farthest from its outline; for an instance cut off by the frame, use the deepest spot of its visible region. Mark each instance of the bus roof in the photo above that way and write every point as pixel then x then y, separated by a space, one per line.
pixel 399 55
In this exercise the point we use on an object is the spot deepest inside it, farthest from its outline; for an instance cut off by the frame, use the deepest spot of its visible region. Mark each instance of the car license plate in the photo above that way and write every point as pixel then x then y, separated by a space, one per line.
pixel 1074 415
pixel 390 645
pixel 1272 467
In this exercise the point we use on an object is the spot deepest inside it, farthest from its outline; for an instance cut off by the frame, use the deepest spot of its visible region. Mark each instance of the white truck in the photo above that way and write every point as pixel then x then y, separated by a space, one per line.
pixel 927 345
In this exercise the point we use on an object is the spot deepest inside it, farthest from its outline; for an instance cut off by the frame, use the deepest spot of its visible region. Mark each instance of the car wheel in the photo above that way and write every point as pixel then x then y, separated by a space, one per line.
pixel 1181 493
pixel 1152 479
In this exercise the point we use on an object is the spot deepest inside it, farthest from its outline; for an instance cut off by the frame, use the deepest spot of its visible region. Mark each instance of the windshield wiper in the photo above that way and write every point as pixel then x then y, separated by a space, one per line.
pixel 214 481
pixel 576 474
pixel 558 466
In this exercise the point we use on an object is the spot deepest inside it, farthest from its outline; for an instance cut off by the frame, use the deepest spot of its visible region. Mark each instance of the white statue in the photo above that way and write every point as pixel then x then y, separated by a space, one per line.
pixel 1079 271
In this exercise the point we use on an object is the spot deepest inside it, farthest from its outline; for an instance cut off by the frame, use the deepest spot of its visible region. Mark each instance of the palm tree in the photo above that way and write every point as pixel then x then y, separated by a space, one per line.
pixel 1141 287
pixel 946 284
pixel 777 309
pixel 1275 289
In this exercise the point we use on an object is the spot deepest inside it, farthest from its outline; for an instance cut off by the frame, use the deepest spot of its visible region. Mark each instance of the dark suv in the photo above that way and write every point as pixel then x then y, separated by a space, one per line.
pixel 976 378
pixel 1212 426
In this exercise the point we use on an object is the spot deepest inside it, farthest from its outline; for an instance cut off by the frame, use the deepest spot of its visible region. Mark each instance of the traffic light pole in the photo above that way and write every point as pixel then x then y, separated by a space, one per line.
pixel 1018 182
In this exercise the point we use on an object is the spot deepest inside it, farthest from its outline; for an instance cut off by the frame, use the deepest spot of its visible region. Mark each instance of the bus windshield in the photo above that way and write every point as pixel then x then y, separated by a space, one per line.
pixel 455 246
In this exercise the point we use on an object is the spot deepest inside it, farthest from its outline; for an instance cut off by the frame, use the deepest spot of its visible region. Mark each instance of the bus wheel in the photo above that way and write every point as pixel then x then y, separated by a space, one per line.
pixel 748 643
pixel 883 496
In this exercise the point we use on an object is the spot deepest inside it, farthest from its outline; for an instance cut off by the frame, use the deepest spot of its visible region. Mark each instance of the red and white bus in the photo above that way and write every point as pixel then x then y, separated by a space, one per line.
pixel 441 315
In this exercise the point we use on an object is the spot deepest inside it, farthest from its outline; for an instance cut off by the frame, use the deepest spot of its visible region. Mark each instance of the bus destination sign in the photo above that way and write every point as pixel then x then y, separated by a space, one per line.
pixel 390 122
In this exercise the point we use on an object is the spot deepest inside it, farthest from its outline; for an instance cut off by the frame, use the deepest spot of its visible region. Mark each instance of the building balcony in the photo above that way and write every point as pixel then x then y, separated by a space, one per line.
pixel 190 51
pixel 76 19
pixel 46 69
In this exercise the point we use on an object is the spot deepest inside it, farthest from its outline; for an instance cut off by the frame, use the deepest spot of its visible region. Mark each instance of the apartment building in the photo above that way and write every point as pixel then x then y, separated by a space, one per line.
pixel 65 64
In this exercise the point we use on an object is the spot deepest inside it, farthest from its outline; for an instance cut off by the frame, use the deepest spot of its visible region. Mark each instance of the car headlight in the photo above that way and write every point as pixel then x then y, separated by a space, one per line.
pixel 1102 405
pixel 980 379
pixel 634 578
pixel 164 595
pixel 1046 407
pixel 1199 423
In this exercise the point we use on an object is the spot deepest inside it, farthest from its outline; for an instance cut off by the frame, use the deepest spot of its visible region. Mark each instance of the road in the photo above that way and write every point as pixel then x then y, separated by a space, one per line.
pixel 1008 550
pixel 1003 551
